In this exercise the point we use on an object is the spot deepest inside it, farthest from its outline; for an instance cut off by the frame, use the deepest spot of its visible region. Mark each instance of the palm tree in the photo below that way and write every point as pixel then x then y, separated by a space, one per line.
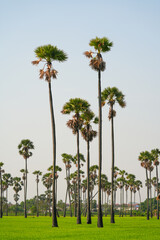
pixel 112 96
pixel 96 63
pixel 17 183
pixel 139 185
pixel 77 106
pixel 144 157
pixel 155 154
pixel 37 173
pixel 48 54
pixel 24 149
pixel 131 183
pixel 47 182
pixel 7 182
pixel 1 172
pixel 67 160
pixel 88 134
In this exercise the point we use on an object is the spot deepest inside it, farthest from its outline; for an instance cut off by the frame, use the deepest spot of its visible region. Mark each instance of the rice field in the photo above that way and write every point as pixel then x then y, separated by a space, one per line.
pixel 17 228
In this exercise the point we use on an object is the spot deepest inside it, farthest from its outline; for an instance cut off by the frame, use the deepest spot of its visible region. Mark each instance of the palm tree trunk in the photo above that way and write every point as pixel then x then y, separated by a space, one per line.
pixel 150 195
pixel 1 211
pixel 69 194
pixel 139 198
pixel 157 193
pixel 88 183
pixel 37 200
pixel 100 221
pixel 54 215
pixel 16 209
pixel 112 171
pixel 25 190
pixel 78 180
pixel 126 200
pixel 131 205
pixel 7 201
pixel 147 195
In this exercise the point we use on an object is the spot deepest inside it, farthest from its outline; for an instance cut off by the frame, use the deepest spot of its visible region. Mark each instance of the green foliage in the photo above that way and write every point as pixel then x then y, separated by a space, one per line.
pixel 24 147
pixel 75 105
pixel 101 44
pixel 50 53
pixel 112 95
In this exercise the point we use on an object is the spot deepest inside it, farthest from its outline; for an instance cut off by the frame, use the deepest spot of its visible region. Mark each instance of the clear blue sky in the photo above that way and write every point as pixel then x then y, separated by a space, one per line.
pixel 132 66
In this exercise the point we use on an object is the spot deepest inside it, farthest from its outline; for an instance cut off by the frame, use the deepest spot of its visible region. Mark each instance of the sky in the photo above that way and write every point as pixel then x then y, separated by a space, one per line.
pixel 132 65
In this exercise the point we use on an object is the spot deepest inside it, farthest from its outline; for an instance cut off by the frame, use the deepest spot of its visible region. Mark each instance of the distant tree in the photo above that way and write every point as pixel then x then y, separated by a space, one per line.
pixel 88 134
pixel 24 149
pixel 76 106
pixel 112 96
pixel 7 181
pixel 37 173
pixel 1 203
pixel 17 183
pixel 155 154
pixel 144 157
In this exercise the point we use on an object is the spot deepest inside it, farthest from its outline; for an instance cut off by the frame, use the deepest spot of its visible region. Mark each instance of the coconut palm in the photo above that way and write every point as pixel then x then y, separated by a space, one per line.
pixel 155 154
pixel 24 149
pixel 101 45
pixel 47 54
pixel 112 96
pixel 88 134
pixel 77 106
pixel 8 181
pixel 37 173
pixel 144 157
pixel 1 204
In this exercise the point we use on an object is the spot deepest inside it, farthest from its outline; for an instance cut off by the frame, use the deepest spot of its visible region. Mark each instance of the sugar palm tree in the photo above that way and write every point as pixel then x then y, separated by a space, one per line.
pixel 17 187
pixel 67 160
pixel 8 181
pixel 156 153
pixel 101 45
pixel 112 96
pixel 1 204
pixel 139 185
pixel 24 149
pixel 88 134
pixel 47 54
pixel 77 106
pixel 131 183
pixel 144 157
pixel 37 173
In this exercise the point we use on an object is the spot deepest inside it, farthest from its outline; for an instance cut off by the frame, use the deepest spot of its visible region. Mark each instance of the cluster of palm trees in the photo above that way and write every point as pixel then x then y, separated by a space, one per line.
pixel 80 108
pixel 149 161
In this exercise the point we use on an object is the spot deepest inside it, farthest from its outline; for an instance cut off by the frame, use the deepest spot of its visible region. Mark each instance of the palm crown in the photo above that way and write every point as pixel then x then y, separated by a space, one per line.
pixel 24 148
pixel 48 54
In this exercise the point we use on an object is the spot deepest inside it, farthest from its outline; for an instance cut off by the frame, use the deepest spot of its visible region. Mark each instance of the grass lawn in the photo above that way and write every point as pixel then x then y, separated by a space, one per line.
pixel 126 228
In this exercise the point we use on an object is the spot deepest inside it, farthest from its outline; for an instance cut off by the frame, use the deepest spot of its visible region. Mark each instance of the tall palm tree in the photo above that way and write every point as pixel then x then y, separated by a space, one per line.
pixel 112 96
pixel 139 185
pixel 144 157
pixel 101 45
pixel 37 173
pixel 1 204
pixel 47 54
pixel 24 149
pixel 156 153
pixel 88 134
pixel 77 106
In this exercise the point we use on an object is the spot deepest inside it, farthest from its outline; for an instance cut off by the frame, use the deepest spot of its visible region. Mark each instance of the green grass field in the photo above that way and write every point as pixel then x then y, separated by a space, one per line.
pixel 126 228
